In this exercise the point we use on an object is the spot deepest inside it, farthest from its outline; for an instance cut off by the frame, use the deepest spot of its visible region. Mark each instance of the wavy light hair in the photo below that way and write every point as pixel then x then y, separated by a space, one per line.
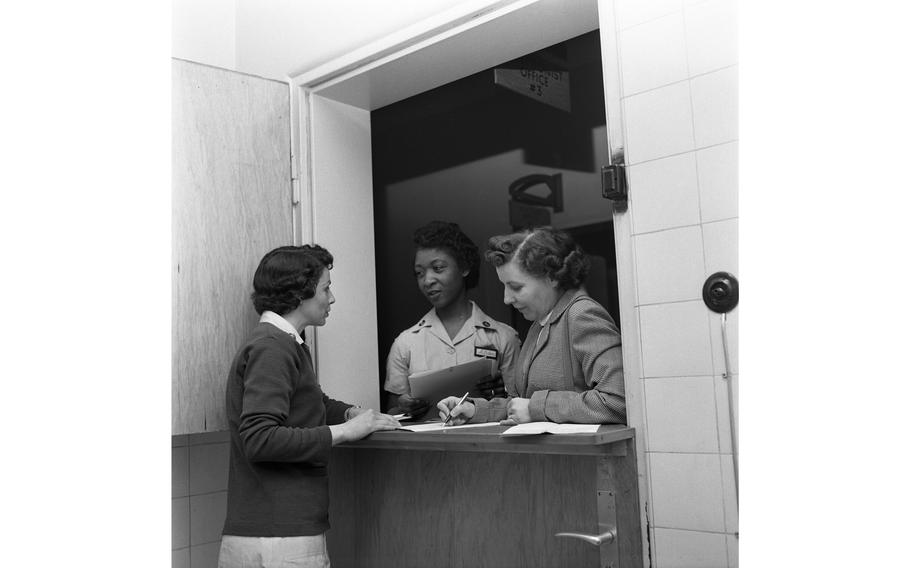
pixel 543 252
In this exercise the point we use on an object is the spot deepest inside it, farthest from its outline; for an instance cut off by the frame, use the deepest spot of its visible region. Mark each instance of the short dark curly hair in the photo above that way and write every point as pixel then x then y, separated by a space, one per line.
pixel 288 275
pixel 450 238
pixel 544 252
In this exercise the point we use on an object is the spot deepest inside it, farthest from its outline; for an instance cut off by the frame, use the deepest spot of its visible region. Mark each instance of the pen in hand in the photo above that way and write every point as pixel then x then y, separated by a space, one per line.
pixel 449 417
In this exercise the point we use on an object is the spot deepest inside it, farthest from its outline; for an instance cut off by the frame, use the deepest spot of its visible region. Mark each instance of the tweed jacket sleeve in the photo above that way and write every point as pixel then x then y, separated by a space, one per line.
pixel 510 348
pixel 595 356
pixel 491 410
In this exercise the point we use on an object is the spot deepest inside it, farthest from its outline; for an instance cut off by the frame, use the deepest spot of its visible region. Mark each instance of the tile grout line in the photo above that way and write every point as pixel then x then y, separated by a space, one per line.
pixel 683 152
pixel 208 493
pixel 652 304
pixel 687 78
pixel 655 18
pixel 648 21
pixel 687 226
pixel 696 530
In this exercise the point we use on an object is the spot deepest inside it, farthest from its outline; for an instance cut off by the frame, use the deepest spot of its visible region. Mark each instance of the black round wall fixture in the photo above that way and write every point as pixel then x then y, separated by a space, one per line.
pixel 720 292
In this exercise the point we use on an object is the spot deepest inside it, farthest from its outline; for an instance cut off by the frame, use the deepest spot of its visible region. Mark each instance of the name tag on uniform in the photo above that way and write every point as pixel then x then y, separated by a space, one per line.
pixel 486 352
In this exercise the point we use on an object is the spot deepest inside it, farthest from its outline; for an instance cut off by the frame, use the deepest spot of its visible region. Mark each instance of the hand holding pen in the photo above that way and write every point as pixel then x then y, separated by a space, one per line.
pixel 452 410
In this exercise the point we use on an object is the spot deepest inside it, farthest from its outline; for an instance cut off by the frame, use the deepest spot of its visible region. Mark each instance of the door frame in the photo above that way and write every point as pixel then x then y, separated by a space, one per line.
pixel 456 43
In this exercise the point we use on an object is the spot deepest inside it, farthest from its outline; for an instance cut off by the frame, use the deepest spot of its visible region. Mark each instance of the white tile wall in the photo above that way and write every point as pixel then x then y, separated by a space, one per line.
pixel 682 414
pixel 659 123
pixel 653 54
pixel 663 194
pixel 180 472
pixel 180 558
pixel 199 465
pixel 180 522
pixel 687 491
pixel 668 265
pixel 728 478
pixel 718 181
pixel 689 549
pixel 687 435
pixel 732 551
pixel 711 35
pixel 675 340
pixel 207 513
pixel 205 555
pixel 208 467
pixel 632 12
pixel 723 415
pixel 715 107
pixel 722 246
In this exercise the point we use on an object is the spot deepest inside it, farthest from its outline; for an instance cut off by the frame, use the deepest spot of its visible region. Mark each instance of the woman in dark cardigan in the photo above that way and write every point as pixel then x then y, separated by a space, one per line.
pixel 282 425
pixel 570 365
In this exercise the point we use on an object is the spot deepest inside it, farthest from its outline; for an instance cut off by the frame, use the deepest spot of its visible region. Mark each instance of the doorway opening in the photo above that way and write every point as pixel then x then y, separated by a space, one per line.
pixel 452 153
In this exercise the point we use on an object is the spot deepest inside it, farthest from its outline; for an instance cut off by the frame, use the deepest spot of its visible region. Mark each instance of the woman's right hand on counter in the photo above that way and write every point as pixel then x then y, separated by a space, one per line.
pixel 460 413
pixel 362 425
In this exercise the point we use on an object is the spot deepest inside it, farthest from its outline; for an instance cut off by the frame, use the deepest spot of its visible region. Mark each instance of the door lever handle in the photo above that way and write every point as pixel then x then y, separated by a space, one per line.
pixel 596 540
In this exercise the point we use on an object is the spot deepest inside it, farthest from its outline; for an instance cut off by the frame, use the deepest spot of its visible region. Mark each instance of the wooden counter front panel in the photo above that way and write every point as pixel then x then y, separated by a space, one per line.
pixel 462 509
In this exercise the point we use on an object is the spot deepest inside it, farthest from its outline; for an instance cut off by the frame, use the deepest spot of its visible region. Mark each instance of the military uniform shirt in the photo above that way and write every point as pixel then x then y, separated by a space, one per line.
pixel 426 346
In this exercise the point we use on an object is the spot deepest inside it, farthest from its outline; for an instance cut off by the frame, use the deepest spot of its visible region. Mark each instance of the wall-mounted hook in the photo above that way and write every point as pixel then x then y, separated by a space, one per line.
pixel 720 292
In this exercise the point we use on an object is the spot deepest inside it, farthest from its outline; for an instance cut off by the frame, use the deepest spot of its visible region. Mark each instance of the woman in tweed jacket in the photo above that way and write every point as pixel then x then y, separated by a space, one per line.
pixel 570 365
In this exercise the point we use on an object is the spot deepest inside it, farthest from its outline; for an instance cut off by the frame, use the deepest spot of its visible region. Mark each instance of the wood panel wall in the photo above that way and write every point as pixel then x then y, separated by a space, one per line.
pixel 413 509
pixel 232 203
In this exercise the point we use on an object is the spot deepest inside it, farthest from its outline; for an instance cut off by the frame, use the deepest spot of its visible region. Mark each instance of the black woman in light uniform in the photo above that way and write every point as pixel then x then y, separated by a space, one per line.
pixel 455 330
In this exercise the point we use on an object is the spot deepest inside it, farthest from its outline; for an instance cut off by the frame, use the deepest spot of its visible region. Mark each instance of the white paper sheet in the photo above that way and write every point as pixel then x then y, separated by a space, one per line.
pixel 436 426
pixel 550 428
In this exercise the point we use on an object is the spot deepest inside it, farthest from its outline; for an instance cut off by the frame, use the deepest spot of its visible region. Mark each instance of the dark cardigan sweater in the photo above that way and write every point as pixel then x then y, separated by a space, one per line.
pixel 277 417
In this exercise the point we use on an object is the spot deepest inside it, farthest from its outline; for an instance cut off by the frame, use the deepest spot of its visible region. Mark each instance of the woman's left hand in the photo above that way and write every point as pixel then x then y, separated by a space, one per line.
pixel 519 410
pixel 489 387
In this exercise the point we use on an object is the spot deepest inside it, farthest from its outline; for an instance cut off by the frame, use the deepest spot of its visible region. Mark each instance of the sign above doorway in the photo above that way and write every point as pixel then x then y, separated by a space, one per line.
pixel 548 87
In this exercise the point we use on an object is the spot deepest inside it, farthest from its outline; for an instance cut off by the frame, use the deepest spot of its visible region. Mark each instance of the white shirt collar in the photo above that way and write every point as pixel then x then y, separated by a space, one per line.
pixel 476 319
pixel 281 323
pixel 545 319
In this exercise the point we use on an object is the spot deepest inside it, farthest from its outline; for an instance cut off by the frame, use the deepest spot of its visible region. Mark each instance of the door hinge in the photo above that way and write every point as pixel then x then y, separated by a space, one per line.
pixel 295 182
pixel 613 183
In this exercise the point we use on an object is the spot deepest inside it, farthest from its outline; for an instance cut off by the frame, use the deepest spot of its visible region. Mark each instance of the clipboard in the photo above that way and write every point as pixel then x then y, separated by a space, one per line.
pixel 433 386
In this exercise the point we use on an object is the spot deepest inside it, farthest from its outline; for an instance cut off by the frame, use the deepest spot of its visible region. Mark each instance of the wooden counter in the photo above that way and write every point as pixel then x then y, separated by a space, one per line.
pixel 469 497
